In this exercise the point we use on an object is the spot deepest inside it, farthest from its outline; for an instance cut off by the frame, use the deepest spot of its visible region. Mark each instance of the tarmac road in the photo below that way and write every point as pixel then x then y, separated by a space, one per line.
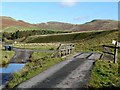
pixel 71 73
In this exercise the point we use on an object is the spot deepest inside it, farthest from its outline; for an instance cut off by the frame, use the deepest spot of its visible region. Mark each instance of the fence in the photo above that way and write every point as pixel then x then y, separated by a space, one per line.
pixel 115 47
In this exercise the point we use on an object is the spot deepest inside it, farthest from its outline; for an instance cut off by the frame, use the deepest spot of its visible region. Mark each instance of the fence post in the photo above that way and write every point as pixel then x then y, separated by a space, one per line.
pixel 115 53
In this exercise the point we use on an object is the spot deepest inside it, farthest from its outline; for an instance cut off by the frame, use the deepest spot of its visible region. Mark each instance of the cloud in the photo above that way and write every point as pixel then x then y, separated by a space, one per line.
pixel 81 17
pixel 69 3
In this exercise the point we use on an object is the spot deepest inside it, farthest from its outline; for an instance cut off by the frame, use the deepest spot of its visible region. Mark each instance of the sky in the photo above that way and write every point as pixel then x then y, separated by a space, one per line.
pixel 64 11
pixel 59 0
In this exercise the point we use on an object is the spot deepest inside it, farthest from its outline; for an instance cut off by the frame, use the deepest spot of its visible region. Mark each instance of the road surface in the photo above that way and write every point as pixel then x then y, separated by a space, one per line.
pixel 71 73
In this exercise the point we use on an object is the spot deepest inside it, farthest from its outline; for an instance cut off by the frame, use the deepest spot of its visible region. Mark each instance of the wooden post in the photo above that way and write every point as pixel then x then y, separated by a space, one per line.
pixel 64 52
pixel 115 53
pixel 59 53
pixel 68 51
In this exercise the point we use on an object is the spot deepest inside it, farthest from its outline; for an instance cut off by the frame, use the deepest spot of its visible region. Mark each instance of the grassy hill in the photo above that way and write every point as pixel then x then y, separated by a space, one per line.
pixel 99 36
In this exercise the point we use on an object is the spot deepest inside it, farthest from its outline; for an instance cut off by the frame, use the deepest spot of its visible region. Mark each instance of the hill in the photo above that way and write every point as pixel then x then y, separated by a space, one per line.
pixel 98 25
pixel 9 23
pixel 92 25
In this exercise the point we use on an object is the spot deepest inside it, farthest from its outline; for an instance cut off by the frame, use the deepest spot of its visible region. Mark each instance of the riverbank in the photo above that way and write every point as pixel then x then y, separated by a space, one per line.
pixel 31 69
pixel 5 57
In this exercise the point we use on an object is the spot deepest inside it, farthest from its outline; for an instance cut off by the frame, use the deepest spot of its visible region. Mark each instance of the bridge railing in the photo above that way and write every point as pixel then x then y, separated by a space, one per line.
pixel 63 49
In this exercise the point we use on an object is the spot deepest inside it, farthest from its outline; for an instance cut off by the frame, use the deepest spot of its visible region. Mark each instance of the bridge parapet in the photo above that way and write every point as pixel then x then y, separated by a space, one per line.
pixel 64 49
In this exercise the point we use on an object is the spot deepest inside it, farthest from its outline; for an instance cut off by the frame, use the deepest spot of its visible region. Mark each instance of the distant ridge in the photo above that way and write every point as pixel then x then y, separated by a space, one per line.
pixel 8 22
pixel 96 24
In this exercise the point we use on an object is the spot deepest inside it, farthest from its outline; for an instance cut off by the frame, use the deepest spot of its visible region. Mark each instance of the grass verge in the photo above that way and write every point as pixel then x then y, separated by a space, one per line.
pixel 104 75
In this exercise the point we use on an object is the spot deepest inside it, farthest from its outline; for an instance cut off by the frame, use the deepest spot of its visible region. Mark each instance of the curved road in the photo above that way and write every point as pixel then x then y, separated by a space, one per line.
pixel 23 55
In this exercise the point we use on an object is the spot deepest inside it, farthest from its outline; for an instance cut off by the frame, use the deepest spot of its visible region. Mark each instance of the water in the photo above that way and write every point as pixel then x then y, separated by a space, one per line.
pixel 6 72
pixel 13 67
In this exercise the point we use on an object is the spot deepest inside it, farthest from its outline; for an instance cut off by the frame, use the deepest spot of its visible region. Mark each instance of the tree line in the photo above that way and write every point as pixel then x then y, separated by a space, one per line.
pixel 20 34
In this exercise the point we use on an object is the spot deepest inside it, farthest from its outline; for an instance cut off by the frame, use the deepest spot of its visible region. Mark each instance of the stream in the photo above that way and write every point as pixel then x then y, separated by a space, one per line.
pixel 11 68
pixel 17 62
pixel 6 72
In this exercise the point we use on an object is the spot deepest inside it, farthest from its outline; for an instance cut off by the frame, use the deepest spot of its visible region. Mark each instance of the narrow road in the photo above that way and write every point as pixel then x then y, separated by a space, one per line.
pixel 22 49
pixel 71 73
pixel 23 55
pixel 20 56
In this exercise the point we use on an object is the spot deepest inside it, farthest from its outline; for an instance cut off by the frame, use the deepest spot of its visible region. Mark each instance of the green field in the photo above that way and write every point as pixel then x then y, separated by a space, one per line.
pixel 95 42
pixel 5 56
pixel 37 46
pixel 69 37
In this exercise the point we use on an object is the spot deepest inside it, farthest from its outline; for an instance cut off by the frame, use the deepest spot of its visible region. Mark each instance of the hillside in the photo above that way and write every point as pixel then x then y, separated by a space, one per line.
pixel 98 25
pixel 72 37
pixel 92 25
pixel 9 23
